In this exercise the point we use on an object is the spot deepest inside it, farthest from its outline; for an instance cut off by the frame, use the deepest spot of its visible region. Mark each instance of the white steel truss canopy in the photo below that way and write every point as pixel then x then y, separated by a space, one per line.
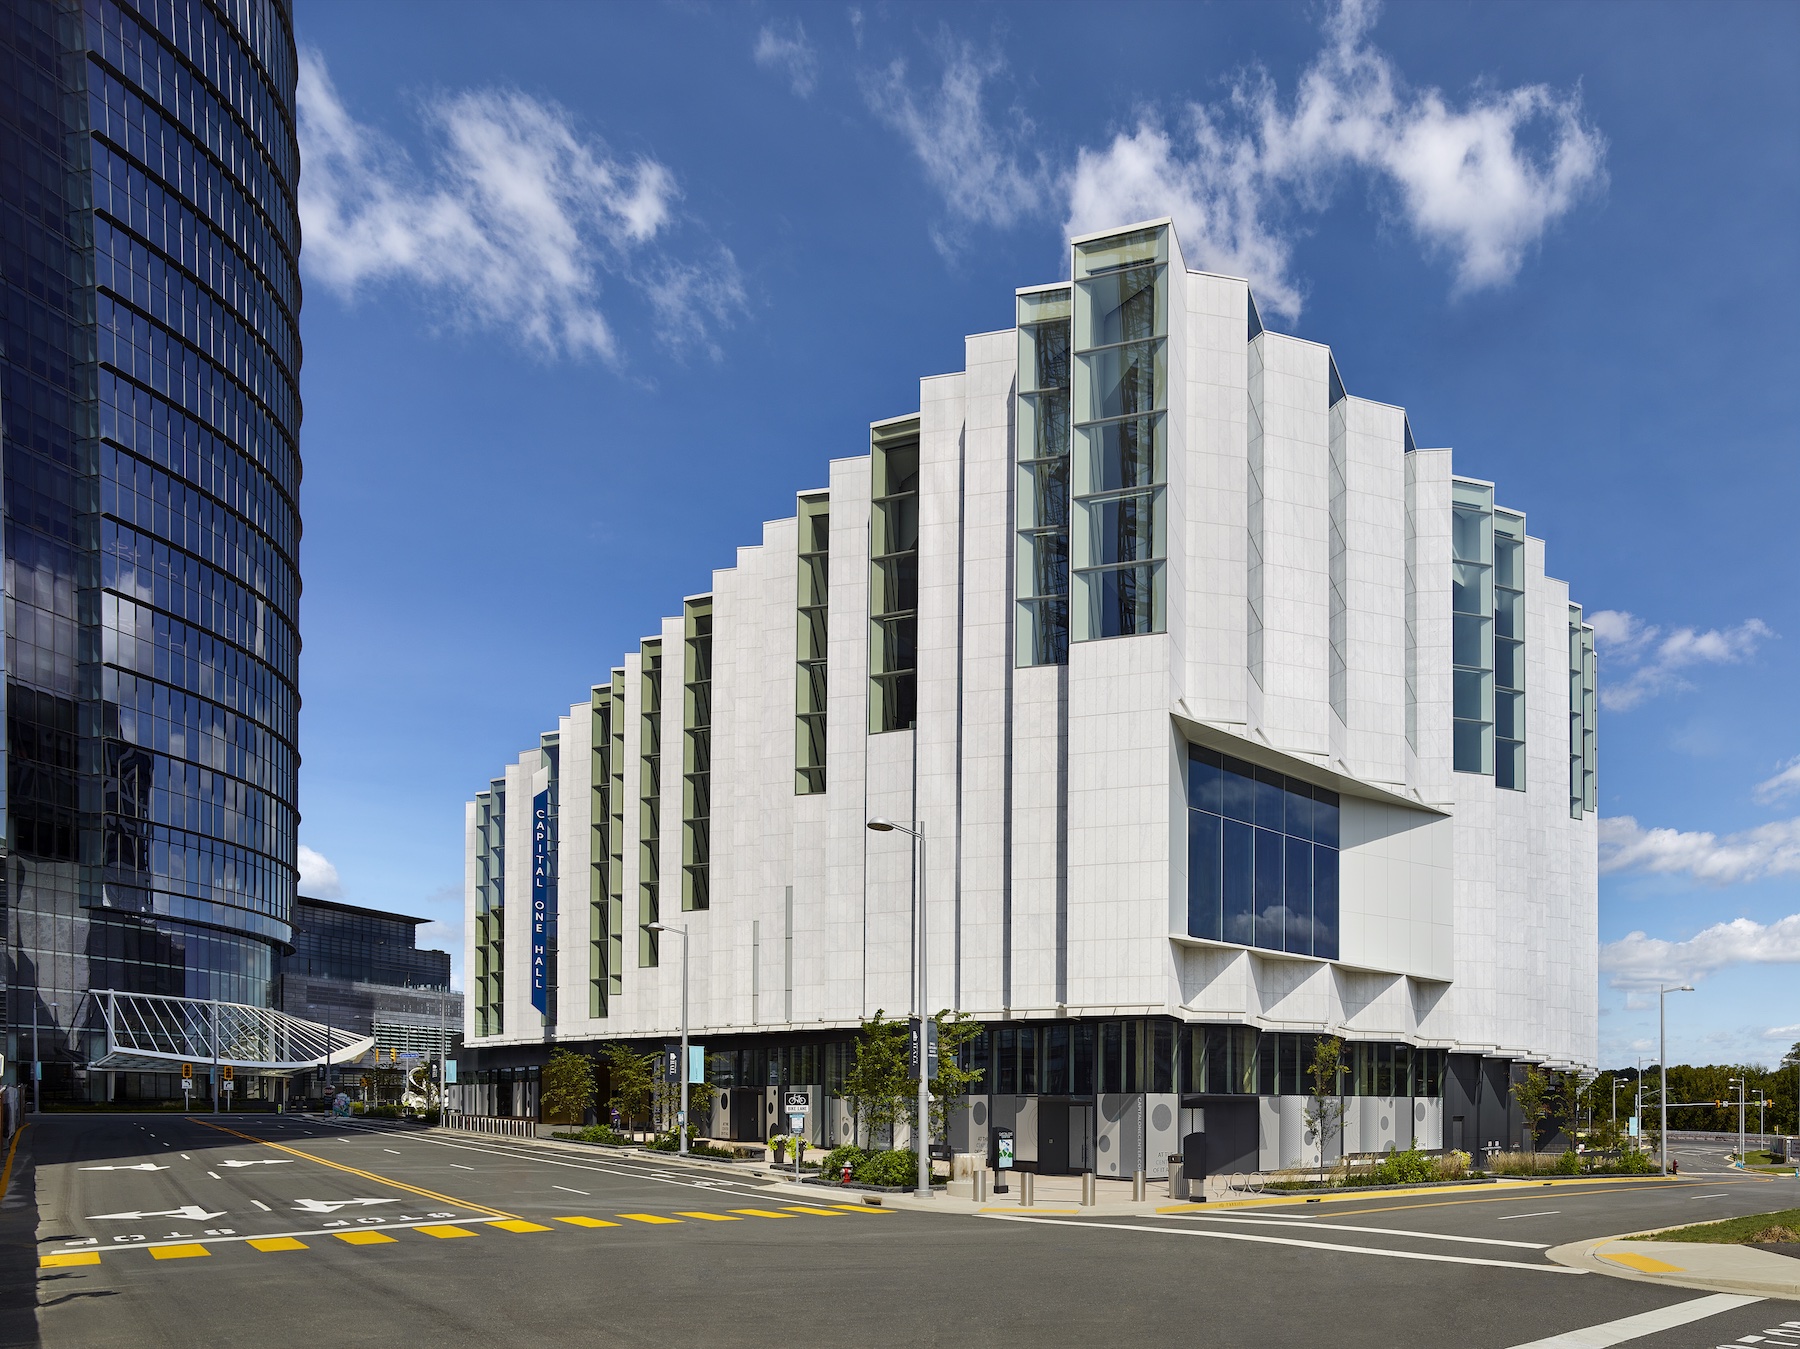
pixel 149 1032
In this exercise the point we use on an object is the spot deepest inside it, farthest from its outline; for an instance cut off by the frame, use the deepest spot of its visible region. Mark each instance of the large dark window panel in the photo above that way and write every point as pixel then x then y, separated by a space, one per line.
pixel 1206 875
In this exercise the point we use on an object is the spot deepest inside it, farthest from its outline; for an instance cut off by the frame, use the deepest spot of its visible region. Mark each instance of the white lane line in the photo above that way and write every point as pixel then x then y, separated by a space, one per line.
pixel 1292 1241
pixel 1347 1227
pixel 1542 1213
pixel 213 1174
pixel 565 1187
pixel 1644 1323
pixel 460 1167
pixel 186 1158
pixel 710 1185
pixel 264 1207
pixel 395 1151
pixel 1709 1196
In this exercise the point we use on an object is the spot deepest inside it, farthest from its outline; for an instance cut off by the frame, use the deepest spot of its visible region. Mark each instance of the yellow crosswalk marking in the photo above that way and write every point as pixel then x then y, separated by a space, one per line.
pixel 520 1225
pixel 816 1212
pixel 714 1217
pixel 62 1259
pixel 363 1238
pixel 586 1222
pixel 648 1218
pixel 178 1252
pixel 864 1208
pixel 444 1230
pixel 761 1213
pixel 277 1244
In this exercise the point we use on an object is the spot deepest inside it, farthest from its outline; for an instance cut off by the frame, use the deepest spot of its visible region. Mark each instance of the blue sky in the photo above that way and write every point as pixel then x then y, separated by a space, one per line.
pixel 592 290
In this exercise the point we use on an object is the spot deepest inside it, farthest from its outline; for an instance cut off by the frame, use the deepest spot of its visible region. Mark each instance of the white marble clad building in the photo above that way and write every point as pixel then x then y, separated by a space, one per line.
pixel 1230 717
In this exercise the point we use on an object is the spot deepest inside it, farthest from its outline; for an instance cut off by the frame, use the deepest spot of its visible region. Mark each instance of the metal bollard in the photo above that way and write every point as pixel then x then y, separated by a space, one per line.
pixel 1139 1187
pixel 1088 1198
pixel 1027 1189
pixel 978 1182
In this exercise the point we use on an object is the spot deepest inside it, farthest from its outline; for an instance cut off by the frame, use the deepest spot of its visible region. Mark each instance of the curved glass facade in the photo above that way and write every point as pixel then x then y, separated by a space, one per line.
pixel 149 250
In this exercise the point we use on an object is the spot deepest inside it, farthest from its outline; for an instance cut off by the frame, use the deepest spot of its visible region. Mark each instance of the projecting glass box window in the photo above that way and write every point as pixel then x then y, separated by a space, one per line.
pixel 1262 857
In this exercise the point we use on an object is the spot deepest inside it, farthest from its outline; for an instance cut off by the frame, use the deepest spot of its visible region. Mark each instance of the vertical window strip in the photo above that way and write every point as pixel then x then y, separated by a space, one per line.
pixel 615 839
pixel 1509 650
pixel 696 756
pixel 1472 626
pixel 600 868
pixel 1119 465
pixel 1583 790
pixel 1412 616
pixel 894 576
pixel 549 747
pixel 490 1000
pixel 1338 678
pixel 813 612
pixel 649 804
pixel 1041 576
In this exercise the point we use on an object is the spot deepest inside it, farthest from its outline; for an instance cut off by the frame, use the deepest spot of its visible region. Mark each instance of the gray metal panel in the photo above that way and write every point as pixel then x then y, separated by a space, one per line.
pixel 1119 1145
pixel 1162 1133
pixel 1268 1124
pixel 1081 1138
pixel 1294 1147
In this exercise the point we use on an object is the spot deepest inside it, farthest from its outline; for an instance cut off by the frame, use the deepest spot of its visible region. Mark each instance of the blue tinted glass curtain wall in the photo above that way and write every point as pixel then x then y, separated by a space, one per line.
pixel 1262 857
pixel 149 395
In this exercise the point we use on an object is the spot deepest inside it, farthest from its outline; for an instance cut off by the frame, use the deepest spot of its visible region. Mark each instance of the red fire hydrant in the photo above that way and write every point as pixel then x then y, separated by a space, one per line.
pixel 846 1173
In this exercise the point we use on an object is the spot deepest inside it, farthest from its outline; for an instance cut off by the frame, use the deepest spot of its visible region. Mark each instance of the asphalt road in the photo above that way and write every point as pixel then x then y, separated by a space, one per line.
pixel 163 1230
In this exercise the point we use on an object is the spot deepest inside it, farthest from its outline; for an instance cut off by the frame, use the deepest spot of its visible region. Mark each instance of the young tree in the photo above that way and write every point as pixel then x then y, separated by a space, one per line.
pixel 568 1087
pixel 879 1082
pixel 950 1087
pixel 632 1082
pixel 666 1100
pixel 1325 1102
pixel 1531 1093
pixel 1571 1099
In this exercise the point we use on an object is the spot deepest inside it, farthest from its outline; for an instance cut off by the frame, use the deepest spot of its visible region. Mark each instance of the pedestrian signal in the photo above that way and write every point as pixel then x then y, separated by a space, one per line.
pixel 187 1071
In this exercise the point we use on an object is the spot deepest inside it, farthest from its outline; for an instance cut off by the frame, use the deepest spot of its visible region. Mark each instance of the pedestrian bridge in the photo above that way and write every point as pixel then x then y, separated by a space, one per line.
pixel 153 1033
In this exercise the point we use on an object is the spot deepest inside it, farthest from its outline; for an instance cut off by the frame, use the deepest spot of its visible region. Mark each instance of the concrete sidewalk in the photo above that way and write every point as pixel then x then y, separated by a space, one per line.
pixel 1687 1264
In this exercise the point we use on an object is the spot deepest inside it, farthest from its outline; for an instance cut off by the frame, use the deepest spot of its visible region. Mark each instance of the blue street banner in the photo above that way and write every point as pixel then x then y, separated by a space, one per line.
pixel 540 901
pixel 696 1063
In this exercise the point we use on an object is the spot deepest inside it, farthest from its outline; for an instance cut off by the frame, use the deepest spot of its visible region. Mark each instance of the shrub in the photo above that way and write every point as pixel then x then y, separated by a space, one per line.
pixel 838 1158
pixel 896 1167
pixel 1404 1168
pixel 1453 1165
pixel 1569 1164
pixel 602 1133
pixel 1635 1163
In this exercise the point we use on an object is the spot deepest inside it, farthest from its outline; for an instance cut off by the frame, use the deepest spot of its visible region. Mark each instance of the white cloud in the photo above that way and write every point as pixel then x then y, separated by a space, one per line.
pixel 1785 782
pixel 979 168
pixel 1642 962
pixel 789 53
pixel 1771 849
pixel 1467 179
pixel 1652 661
pixel 1781 1032
pixel 511 227
pixel 318 877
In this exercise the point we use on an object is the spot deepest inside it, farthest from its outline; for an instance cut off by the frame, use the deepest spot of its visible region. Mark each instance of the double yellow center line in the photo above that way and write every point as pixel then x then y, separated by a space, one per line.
pixel 354 1171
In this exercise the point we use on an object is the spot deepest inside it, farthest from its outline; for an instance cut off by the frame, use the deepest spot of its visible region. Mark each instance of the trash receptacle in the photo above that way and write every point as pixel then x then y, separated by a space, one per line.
pixel 1178 1185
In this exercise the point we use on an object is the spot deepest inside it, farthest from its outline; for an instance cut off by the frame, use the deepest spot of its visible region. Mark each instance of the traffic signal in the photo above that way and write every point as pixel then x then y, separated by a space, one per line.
pixel 187 1071
pixel 225 1071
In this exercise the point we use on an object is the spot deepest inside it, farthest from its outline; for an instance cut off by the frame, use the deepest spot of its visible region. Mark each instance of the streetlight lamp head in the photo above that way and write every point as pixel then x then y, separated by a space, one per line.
pixel 881 824
pixel 1685 988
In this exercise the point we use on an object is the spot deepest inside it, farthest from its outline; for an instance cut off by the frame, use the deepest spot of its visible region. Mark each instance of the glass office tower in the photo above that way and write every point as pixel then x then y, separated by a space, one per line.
pixel 150 407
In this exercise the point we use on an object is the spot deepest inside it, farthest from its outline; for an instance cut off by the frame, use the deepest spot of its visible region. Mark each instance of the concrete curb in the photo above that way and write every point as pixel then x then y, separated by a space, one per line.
pixel 1709 1266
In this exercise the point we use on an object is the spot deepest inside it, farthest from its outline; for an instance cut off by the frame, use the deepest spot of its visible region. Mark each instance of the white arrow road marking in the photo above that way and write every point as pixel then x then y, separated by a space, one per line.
pixel 260 1161
pixel 141 1166
pixel 192 1212
pixel 333 1205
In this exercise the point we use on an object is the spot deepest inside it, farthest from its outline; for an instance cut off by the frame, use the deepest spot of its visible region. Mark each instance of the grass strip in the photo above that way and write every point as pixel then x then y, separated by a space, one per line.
pixel 1733 1231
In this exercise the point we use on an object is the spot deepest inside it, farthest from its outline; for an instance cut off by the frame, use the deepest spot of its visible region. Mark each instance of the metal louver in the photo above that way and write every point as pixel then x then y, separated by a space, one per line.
pixel 147 1032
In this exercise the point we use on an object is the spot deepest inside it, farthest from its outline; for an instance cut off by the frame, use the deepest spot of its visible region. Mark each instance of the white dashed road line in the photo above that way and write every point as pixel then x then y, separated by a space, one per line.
pixel 1644 1323
pixel 1545 1213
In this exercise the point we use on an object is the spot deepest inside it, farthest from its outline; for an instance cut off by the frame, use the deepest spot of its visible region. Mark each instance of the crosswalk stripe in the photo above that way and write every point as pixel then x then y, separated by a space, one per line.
pixel 178 1252
pixel 520 1225
pixel 648 1218
pixel 586 1222
pixel 816 1212
pixel 277 1244
pixel 444 1230
pixel 715 1217
pixel 363 1238
pixel 62 1259
pixel 761 1213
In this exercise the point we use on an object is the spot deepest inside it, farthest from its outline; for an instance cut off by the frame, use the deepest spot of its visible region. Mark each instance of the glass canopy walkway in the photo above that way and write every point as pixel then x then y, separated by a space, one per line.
pixel 149 1032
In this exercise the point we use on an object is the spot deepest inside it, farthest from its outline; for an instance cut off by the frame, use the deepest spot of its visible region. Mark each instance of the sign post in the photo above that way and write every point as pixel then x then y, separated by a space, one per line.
pixel 228 1081
pixel 798 1104
pixel 187 1086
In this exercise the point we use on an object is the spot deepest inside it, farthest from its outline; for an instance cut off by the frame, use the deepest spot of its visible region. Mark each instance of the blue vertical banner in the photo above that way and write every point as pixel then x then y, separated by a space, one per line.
pixel 540 901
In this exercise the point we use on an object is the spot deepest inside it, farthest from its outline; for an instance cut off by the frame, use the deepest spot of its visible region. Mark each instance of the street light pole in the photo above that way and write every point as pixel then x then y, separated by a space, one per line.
pixel 922 1133
pixel 681 1122
pixel 1662 1021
